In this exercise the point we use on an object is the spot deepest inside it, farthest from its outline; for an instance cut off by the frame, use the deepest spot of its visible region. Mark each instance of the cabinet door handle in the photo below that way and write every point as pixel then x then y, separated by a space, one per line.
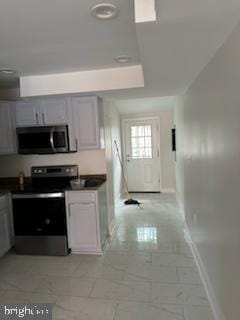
pixel 86 203
pixel 83 203
pixel 43 118
pixel 76 141
pixel 37 120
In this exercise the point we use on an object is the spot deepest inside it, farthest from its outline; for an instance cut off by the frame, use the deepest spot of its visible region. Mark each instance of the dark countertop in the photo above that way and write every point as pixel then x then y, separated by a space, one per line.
pixel 4 191
pixel 8 185
pixel 94 183
pixel 86 188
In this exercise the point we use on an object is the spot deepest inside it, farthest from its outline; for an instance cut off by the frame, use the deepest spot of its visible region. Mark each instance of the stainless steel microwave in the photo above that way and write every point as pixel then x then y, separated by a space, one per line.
pixel 43 140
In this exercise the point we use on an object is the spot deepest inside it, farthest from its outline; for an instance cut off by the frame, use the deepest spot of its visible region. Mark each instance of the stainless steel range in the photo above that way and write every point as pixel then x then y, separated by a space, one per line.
pixel 39 212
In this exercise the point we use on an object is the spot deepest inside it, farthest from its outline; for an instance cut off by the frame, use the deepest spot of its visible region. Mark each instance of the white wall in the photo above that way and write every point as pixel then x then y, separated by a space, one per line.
pixel 167 156
pixel 179 163
pixel 115 121
pixel 89 162
pixel 211 156
pixel 109 166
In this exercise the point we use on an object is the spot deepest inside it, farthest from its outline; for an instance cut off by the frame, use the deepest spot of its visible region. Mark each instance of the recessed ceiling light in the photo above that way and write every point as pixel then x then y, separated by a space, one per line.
pixel 123 59
pixel 7 71
pixel 104 11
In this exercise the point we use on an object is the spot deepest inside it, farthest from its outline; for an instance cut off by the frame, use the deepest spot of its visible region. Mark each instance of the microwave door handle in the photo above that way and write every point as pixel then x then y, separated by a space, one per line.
pixel 52 141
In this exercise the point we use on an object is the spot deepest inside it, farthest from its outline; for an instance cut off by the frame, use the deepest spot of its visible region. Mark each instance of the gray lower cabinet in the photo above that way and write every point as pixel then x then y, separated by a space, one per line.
pixel 6 234
pixel 87 221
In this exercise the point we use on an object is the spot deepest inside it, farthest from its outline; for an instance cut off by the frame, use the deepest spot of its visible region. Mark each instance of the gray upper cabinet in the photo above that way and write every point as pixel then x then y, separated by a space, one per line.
pixel 7 141
pixel 26 113
pixel 53 111
pixel 41 112
pixel 87 122
pixel 83 115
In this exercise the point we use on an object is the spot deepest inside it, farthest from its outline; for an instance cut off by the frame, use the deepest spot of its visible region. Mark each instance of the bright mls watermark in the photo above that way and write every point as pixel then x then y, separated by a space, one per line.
pixel 39 311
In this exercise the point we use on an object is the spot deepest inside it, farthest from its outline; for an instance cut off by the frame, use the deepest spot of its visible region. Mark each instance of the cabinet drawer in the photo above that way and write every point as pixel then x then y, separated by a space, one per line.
pixel 79 196
pixel 3 202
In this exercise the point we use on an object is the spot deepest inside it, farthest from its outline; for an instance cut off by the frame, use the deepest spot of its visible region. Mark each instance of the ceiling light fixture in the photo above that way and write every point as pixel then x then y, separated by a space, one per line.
pixel 123 59
pixel 104 11
pixel 7 71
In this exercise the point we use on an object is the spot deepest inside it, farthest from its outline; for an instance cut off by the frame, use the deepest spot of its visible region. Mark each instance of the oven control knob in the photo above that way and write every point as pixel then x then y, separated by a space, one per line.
pixel 67 170
pixel 47 221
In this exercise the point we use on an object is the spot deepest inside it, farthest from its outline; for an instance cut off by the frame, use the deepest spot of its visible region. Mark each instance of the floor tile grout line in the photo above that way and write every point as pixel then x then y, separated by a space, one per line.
pixel 115 310
pixel 94 279
pixel 150 291
pixel 184 317
pixel 117 300
pixel 91 291
pixel 178 274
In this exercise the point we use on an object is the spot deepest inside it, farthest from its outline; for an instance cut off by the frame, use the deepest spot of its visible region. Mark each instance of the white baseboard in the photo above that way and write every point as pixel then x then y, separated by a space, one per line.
pixel 168 190
pixel 215 306
pixel 118 198
pixel 181 207
pixel 112 226
pixel 182 212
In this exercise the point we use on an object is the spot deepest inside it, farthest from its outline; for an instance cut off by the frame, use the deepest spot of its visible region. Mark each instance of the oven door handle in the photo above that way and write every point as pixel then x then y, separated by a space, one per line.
pixel 56 195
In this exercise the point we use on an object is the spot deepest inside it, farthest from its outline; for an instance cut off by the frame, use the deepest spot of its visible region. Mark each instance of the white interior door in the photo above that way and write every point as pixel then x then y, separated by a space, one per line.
pixel 142 155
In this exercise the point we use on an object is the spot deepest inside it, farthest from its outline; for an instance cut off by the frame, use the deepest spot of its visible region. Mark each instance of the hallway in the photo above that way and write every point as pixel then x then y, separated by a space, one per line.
pixel 147 272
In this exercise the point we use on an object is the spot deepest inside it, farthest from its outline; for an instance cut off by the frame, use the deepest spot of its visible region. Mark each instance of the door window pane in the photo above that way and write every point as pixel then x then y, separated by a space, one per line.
pixel 141 142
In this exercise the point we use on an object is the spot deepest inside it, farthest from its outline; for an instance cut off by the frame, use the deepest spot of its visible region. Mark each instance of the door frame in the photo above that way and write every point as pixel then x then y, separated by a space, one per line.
pixel 123 127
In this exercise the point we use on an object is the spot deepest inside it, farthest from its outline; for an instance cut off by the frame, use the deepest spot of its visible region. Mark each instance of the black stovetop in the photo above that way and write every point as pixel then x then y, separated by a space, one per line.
pixel 44 185
pixel 33 189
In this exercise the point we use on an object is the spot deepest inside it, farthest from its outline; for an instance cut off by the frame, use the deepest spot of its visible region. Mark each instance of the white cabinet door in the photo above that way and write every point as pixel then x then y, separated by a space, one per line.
pixel 4 232
pixel 6 129
pixel 41 112
pixel 86 122
pixel 53 111
pixel 27 113
pixel 83 226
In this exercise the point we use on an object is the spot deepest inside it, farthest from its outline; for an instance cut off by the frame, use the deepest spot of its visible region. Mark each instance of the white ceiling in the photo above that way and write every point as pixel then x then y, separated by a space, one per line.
pixel 187 34
pixel 56 36
pixel 39 37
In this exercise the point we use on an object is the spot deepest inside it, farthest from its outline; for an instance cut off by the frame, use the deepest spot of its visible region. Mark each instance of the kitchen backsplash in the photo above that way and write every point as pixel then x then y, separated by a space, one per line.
pixel 89 162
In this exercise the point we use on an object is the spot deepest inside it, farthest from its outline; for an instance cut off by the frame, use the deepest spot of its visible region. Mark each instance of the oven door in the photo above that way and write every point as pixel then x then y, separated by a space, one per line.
pixel 40 223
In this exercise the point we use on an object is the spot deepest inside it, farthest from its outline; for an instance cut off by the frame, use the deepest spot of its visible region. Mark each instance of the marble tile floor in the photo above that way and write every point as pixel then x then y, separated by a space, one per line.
pixel 146 272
